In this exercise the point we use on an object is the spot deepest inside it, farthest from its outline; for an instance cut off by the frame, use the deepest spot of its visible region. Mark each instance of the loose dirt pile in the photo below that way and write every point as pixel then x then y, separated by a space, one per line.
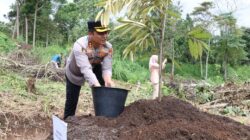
pixel 150 119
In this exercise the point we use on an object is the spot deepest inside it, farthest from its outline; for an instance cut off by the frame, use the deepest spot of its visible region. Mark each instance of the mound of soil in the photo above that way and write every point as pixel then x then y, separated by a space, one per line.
pixel 150 119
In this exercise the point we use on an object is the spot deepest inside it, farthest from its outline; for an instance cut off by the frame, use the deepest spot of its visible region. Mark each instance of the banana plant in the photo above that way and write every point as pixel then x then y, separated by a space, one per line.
pixel 196 38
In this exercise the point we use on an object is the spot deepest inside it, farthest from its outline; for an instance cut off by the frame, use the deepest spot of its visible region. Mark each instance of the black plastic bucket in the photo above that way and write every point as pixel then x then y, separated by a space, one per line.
pixel 109 102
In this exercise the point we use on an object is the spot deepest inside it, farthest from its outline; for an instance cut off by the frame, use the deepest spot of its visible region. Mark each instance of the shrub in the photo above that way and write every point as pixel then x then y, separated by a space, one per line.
pixel 45 54
pixel 6 44
pixel 128 71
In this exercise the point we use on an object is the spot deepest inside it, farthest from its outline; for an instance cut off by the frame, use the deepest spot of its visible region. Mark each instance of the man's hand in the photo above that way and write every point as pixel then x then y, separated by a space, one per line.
pixel 97 84
pixel 109 84
pixel 108 81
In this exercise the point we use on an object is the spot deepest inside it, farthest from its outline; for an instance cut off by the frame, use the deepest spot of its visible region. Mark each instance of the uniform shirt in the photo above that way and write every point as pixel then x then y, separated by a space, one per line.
pixel 84 57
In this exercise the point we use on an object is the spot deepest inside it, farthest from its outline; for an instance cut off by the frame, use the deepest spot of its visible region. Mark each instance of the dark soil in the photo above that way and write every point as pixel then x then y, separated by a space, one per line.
pixel 171 119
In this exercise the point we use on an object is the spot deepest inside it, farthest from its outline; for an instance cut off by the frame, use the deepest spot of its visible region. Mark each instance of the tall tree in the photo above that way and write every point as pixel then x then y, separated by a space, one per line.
pixel 66 17
pixel 72 18
pixel 45 25
pixel 246 37
pixel 27 9
pixel 11 16
pixel 203 17
pixel 230 47
pixel 17 17
pixel 42 18
pixel 38 6
pixel 14 16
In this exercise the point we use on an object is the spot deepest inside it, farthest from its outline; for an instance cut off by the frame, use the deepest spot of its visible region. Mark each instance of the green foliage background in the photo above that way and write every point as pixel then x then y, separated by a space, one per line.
pixel 6 44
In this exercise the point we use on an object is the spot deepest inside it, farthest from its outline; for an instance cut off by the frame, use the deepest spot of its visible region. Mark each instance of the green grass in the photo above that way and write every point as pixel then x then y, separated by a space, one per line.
pixel 193 70
pixel 6 44
pixel 243 73
pixel 48 94
pixel 11 82
pixel 45 54
pixel 237 74
pixel 233 110
pixel 16 84
pixel 128 71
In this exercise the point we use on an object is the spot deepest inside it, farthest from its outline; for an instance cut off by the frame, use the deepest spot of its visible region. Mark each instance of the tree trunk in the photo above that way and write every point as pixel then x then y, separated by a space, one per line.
pixel 201 66
pixel 26 30
pixel 161 51
pixel 17 19
pixel 173 56
pixel 68 38
pixel 34 28
pixel 207 57
pixel 225 68
pixel 22 30
pixel 173 59
pixel 47 39
pixel 14 31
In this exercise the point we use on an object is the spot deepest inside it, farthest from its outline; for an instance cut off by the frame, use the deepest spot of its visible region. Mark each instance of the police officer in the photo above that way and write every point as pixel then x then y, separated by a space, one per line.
pixel 90 60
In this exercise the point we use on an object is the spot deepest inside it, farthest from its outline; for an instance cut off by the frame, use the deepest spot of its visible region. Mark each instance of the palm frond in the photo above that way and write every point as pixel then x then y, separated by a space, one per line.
pixel 135 23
